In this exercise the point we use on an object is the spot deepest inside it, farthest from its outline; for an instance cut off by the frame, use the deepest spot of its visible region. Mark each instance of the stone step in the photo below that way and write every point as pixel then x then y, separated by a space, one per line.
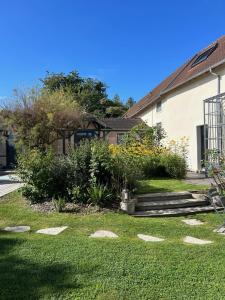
pixel 149 205
pixel 164 196
pixel 173 212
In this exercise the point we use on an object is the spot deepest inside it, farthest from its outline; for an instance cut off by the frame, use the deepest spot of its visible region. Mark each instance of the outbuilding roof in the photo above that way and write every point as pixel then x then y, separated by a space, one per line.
pixel 121 123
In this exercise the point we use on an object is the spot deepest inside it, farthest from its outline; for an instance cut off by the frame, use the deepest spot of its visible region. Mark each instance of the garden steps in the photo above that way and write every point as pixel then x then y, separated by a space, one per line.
pixel 171 204
pixel 179 203
pixel 164 196
pixel 173 212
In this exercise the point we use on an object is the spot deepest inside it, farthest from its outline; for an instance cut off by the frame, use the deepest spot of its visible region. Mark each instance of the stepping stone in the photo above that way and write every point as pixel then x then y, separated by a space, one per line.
pixel 52 231
pixel 193 240
pixel 17 228
pixel 149 238
pixel 193 222
pixel 220 230
pixel 103 234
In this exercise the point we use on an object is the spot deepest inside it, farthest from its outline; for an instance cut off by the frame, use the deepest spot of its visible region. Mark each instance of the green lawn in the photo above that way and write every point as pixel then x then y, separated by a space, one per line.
pixel 74 266
pixel 157 185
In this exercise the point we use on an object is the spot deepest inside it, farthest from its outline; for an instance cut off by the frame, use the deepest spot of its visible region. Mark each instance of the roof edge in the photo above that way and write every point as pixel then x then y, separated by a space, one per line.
pixel 195 76
pixel 178 85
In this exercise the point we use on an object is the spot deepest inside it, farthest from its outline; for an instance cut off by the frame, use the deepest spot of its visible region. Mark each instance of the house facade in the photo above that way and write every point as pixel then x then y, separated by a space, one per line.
pixel 177 103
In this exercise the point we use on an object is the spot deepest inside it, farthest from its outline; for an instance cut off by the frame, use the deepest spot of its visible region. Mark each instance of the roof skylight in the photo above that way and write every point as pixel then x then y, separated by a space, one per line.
pixel 203 56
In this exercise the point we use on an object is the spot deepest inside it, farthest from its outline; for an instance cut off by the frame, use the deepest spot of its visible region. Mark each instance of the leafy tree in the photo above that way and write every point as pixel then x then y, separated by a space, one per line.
pixel 89 93
pixel 130 102
pixel 143 134
pixel 38 118
pixel 116 100
pixel 56 81
pixel 115 111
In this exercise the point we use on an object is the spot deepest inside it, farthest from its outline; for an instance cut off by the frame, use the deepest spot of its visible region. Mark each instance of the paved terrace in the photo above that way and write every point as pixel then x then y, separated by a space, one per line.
pixel 9 182
pixel 198 179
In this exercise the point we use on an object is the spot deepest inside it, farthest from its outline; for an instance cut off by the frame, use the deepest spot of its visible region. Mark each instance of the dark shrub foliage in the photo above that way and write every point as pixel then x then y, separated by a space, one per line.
pixel 89 171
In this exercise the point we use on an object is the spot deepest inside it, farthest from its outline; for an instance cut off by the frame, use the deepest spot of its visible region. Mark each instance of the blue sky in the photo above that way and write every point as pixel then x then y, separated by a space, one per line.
pixel 131 45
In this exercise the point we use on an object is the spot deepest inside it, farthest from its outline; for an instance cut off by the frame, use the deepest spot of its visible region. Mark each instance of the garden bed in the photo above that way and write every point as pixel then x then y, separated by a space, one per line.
pixel 82 209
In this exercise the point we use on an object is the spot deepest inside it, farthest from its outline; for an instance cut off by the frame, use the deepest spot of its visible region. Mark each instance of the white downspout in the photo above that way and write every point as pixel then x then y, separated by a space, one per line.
pixel 218 77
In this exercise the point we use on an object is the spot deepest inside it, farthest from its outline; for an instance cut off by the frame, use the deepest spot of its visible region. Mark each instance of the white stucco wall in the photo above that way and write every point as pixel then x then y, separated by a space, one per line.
pixel 182 111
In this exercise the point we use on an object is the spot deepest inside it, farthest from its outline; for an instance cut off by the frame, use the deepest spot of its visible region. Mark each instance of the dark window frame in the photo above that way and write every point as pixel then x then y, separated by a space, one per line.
pixel 84 134
pixel 159 106
pixel 203 56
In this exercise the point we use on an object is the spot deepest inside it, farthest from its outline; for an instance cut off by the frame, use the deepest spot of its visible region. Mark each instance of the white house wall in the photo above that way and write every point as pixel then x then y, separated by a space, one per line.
pixel 182 111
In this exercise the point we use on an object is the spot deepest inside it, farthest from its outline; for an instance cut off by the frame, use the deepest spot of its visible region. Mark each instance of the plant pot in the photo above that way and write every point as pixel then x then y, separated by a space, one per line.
pixel 128 206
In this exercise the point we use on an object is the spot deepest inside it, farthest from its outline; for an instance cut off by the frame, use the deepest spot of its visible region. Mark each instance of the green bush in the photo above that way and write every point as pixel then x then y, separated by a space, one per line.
pixel 45 175
pixel 81 176
pixel 36 170
pixel 152 166
pixel 126 170
pixel 175 166
pixel 100 163
pixel 164 165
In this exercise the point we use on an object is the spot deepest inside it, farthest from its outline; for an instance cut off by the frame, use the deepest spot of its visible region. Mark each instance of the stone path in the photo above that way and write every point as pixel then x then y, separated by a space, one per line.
pixel 193 222
pixel 103 234
pixel 17 228
pixel 149 238
pixel 220 230
pixel 110 234
pixel 193 240
pixel 52 231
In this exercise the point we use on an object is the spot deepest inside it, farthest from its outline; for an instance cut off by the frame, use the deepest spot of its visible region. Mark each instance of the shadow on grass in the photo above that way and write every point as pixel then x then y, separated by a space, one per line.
pixel 147 186
pixel 25 279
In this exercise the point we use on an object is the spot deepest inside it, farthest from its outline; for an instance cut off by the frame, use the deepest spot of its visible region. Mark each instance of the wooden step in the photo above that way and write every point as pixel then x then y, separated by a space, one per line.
pixel 173 212
pixel 164 196
pixel 179 203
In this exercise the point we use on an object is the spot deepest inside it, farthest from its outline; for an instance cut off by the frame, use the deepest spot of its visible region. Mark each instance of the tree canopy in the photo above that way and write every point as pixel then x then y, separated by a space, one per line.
pixel 89 93
pixel 38 117
pixel 64 103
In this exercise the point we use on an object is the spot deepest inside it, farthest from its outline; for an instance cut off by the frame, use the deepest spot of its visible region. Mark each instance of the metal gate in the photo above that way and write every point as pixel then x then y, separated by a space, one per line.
pixel 214 129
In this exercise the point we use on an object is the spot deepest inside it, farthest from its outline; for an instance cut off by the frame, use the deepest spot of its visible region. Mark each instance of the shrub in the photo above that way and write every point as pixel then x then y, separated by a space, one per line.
pixel 127 169
pixel 153 162
pixel 84 171
pixel 175 165
pixel 179 147
pixel 35 169
pixel 100 163
pixel 79 166
pixel 153 167
pixel 76 194
pixel 99 194
pixel 59 204
pixel 142 134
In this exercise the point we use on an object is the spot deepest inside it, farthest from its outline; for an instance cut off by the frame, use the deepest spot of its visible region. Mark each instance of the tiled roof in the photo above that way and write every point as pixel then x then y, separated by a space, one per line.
pixel 181 75
pixel 121 123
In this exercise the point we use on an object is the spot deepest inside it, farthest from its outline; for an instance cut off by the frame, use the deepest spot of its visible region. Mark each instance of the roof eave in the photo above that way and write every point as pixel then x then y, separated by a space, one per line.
pixel 194 76
pixel 179 85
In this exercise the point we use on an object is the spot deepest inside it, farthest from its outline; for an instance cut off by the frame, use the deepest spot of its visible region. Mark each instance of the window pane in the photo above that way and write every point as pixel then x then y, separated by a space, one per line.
pixel 120 137
pixel 159 106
